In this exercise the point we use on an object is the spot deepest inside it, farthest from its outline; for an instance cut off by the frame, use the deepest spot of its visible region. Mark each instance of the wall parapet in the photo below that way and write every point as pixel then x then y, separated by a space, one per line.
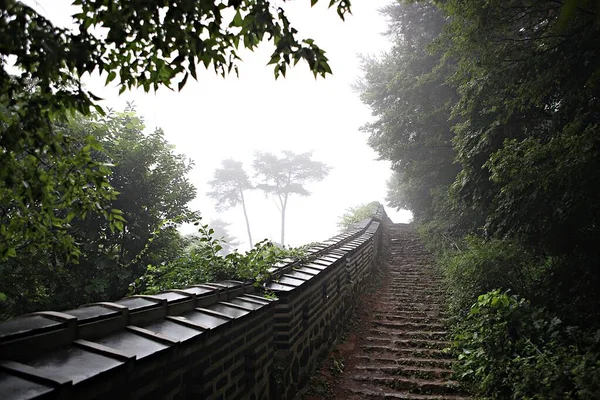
pixel 215 341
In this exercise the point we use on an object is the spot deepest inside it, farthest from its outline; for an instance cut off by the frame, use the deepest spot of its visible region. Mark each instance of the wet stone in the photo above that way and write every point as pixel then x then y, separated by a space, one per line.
pixel 206 320
pixel 231 284
pixel 30 324
pixel 299 275
pixel 137 303
pixel 245 304
pixel 92 313
pixel 74 363
pixel 173 330
pixel 307 270
pixel 322 262
pixel 172 297
pixel 14 388
pixel 198 291
pixel 314 265
pixel 131 343
pixel 290 281
pixel 255 297
pixel 214 285
pixel 230 311
pixel 280 287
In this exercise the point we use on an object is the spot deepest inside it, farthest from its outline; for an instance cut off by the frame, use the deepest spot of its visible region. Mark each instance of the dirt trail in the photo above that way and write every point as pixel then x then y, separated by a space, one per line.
pixel 394 348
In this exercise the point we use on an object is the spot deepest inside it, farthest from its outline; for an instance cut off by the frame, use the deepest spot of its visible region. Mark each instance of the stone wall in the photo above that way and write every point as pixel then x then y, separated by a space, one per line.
pixel 212 341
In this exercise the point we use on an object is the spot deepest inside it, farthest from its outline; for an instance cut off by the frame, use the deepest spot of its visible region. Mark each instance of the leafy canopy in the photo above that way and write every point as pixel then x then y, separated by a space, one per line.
pixel 285 175
pixel 153 196
pixel 204 263
pixel 410 101
pixel 228 184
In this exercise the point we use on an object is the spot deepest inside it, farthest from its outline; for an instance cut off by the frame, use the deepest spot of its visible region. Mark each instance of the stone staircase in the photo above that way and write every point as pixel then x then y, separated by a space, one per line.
pixel 399 354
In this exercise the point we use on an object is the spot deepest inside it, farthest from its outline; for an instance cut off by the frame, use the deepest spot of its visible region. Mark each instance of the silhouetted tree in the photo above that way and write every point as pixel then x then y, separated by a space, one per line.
pixel 229 183
pixel 283 176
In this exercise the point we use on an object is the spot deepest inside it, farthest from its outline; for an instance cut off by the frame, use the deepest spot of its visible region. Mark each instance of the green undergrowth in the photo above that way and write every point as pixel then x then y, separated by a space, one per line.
pixel 524 324
pixel 203 263
pixel 510 349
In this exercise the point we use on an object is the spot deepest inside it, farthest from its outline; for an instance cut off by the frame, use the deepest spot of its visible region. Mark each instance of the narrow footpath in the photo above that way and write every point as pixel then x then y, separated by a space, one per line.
pixel 394 348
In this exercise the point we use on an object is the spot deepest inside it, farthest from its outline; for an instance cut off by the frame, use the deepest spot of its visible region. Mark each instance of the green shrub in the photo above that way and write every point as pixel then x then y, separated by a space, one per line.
pixel 512 350
pixel 204 263
pixel 477 266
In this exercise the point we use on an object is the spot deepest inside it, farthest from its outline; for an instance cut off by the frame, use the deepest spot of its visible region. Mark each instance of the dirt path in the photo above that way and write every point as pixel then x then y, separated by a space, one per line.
pixel 394 347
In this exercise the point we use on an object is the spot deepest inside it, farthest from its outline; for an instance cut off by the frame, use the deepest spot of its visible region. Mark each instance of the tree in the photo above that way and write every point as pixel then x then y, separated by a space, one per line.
pixel 153 193
pixel 283 176
pixel 406 91
pixel 523 210
pixel 229 183
pixel 528 143
pixel 144 44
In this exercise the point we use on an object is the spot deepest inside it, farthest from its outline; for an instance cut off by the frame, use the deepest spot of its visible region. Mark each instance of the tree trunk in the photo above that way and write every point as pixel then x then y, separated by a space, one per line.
pixel 251 244
pixel 283 207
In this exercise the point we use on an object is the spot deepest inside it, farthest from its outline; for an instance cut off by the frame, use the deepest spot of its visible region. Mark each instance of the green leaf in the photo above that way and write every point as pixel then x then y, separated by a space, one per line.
pixel 111 76
pixel 237 21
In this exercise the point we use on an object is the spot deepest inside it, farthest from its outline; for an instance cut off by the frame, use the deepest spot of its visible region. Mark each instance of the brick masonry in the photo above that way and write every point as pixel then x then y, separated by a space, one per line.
pixel 212 341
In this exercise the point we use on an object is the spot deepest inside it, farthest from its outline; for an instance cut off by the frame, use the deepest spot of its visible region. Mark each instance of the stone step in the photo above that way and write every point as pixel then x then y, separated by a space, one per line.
pixel 409 371
pixel 378 393
pixel 389 360
pixel 409 334
pixel 404 352
pixel 413 314
pixel 413 343
pixel 399 325
pixel 412 385
pixel 401 354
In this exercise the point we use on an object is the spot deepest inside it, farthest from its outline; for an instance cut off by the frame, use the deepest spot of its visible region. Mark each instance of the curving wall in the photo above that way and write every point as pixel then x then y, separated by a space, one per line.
pixel 209 341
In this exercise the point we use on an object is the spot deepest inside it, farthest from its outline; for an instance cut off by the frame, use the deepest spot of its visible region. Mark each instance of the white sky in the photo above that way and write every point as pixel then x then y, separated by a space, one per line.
pixel 217 118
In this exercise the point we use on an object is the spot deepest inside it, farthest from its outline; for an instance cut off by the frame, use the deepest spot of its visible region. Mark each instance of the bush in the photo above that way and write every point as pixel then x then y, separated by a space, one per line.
pixel 512 350
pixel 204 263
pixel 477 266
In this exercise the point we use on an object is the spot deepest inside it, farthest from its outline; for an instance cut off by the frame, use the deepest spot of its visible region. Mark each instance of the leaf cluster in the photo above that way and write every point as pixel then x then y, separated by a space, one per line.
pixel 510 349
pixel 204 263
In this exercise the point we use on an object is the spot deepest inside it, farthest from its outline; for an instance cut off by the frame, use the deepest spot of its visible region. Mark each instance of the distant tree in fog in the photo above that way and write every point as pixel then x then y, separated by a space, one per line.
pixel 286 175
pixel 229 183
pixel 221 231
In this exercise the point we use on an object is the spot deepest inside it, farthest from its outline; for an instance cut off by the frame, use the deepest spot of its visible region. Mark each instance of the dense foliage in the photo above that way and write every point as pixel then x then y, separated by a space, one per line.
pixel 151 193
pixel 489 112
pixel 510 349
pixel 203 262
